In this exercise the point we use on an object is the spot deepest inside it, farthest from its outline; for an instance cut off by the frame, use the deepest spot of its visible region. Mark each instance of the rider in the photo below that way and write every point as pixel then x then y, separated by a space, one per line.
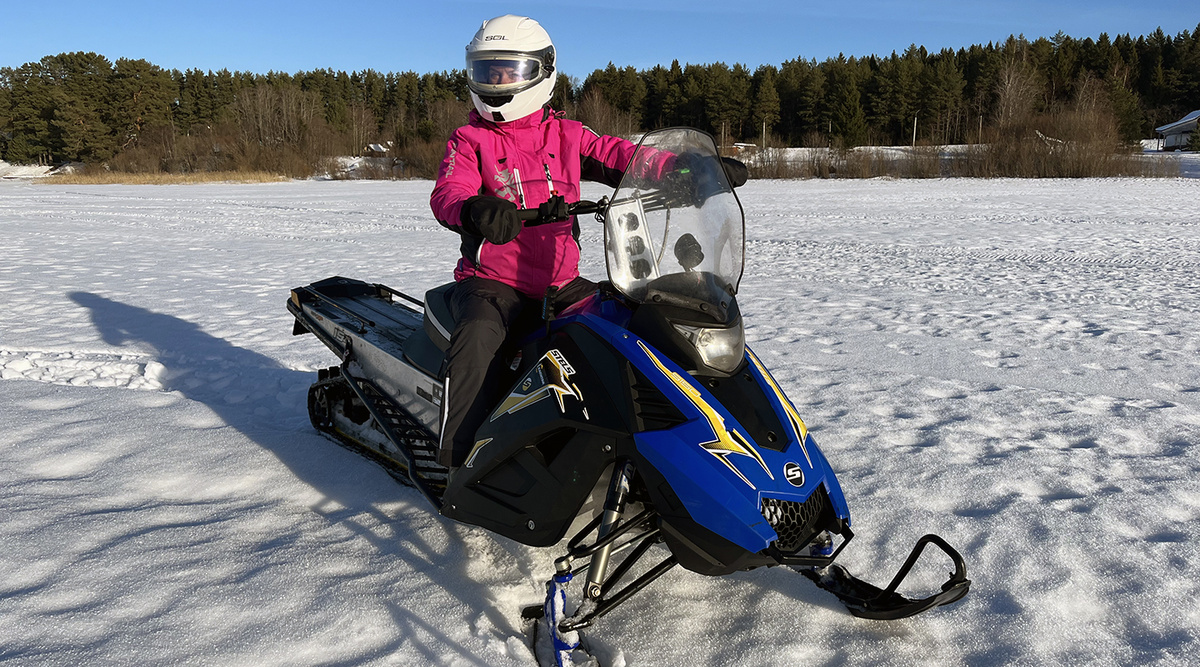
pixel 516 152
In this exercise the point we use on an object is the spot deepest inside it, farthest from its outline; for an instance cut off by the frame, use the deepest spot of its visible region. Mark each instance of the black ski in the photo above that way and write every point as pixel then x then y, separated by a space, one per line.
pixel 866 600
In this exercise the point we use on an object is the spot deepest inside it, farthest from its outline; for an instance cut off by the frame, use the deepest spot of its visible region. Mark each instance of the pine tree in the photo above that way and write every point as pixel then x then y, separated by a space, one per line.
pixel 766 100
pixel 82 107
pixel 29 107
pixel 1127 111
pixel 899 93
pixel 622 88
pixel 142 95
pixel 658 91
pixel 942 93
pixel 725 100
pixel 848 122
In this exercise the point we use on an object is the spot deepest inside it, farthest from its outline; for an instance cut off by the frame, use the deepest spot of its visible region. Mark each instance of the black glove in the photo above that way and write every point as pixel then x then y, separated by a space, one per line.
pixel 493 218
pixel 553 209
pixel 735 171
pixel 702 166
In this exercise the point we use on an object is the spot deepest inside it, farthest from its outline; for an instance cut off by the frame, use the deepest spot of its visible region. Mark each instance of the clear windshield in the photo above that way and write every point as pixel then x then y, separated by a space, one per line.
pixel 674 220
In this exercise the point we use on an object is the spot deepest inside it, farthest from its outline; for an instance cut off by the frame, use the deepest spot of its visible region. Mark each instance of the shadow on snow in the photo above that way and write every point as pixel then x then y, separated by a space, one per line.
pixel 265 401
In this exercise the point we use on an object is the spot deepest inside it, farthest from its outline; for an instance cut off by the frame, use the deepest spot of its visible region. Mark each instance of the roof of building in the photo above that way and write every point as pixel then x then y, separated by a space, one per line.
pixel 1184 124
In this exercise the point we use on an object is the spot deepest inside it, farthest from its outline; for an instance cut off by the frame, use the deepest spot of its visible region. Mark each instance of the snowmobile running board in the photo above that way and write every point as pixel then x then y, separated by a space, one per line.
pixel 414 461
pixel 868 601
pixel 423 471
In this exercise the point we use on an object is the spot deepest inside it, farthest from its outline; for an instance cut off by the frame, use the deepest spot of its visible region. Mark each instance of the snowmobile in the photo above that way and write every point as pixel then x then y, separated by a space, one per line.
pixel 637 421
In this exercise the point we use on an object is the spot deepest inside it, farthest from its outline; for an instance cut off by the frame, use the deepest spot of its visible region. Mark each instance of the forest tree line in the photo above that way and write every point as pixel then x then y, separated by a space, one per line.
pixel 133 115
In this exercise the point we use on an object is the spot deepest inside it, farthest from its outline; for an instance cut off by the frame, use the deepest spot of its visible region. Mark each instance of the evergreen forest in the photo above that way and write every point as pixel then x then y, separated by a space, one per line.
pixel 132 115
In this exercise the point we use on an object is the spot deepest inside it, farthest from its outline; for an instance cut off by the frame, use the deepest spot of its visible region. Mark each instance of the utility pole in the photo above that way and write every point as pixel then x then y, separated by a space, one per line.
pixel 914 140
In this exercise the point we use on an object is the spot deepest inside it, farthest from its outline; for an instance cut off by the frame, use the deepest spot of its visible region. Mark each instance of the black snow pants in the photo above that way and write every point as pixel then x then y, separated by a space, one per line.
pixel 486 314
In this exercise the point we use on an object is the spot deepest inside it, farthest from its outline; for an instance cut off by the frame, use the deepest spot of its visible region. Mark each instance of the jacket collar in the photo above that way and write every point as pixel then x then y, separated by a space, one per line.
pixel 532 120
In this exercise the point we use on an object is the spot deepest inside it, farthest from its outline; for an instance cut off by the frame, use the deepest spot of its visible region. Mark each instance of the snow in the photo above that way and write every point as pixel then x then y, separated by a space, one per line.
pixel 1012 364
pixel 22 171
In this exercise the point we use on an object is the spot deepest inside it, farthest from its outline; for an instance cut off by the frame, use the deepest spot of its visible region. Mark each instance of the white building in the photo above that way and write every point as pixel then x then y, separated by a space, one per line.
pixel 1175 136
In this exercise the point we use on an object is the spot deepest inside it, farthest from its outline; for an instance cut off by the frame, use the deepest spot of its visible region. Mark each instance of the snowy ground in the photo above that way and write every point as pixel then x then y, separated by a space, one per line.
pixel 1012 364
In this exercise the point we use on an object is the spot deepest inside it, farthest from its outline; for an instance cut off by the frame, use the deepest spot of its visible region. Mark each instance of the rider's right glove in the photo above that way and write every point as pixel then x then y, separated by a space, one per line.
pixel 493 218
pixel 554 209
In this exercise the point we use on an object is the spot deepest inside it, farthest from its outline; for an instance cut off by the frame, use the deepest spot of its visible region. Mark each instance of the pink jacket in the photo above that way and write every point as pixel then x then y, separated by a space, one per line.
pixel 523 161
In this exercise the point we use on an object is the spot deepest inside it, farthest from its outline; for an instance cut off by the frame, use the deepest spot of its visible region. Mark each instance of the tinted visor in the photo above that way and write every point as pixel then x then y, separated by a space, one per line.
pixel 504 73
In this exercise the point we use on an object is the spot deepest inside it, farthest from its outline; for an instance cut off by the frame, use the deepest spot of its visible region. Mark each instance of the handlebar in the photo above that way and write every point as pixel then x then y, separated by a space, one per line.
pixel 530 215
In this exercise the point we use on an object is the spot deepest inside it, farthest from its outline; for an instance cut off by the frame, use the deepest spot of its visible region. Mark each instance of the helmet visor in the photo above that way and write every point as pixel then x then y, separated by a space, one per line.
pixel 495 74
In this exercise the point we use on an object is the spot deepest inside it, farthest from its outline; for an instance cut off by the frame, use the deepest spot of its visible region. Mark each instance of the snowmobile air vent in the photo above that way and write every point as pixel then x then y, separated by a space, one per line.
pixel 653 410
pixel 795 523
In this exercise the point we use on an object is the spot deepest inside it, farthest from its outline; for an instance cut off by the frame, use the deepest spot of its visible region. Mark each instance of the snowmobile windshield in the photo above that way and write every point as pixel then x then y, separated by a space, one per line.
pixel 674 224
pixel 494 73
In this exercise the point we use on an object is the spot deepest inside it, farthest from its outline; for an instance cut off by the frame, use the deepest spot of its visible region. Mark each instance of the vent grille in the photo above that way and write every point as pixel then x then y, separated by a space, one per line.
pixel 653 410
pixel 795 523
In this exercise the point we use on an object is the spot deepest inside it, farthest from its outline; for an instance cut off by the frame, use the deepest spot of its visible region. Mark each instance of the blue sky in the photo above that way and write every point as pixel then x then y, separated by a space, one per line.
pixel 400 35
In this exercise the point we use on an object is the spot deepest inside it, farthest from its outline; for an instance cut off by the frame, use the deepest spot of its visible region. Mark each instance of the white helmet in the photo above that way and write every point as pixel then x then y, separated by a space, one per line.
pixel 510 68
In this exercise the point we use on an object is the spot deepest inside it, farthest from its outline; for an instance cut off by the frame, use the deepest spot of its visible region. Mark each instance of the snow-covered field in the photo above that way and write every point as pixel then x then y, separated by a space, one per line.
pixel 1012 364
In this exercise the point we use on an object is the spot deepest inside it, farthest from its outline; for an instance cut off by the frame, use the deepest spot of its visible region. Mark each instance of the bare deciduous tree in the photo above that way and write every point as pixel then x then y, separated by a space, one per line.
pixel 1016 93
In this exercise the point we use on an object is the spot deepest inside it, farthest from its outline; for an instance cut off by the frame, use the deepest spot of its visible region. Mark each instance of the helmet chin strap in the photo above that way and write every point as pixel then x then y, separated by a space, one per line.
pixel 497 117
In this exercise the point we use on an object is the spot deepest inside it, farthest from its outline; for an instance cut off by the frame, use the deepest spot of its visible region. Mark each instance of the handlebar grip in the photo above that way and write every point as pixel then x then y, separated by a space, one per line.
pixel 530 215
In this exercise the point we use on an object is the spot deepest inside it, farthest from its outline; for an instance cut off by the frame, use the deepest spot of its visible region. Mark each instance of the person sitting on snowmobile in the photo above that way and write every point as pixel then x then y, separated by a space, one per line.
pixel 514 153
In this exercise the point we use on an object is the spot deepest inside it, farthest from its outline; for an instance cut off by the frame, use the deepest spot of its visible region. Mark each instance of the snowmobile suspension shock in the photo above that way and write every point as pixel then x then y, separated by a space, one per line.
pixel 614 507
pixel 576 549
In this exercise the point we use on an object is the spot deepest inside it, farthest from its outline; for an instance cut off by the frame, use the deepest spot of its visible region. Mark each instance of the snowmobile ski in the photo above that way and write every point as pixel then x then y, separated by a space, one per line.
pixel 869 601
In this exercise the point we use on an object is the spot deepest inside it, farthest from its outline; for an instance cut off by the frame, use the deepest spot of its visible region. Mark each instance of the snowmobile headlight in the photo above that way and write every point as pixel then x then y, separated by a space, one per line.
pixel 721 349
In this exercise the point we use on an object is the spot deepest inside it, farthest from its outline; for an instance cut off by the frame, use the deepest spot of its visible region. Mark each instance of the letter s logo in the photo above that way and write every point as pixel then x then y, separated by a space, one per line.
pixel 794 474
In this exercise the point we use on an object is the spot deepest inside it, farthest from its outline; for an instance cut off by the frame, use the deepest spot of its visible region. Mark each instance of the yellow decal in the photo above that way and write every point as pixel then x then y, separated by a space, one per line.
pixel 475 451
pixel 797 424
pixel 725 442
pixel 553 372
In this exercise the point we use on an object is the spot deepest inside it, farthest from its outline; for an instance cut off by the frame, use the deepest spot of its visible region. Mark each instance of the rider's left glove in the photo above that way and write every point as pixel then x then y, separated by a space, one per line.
pixel 703 168
pixel 735 171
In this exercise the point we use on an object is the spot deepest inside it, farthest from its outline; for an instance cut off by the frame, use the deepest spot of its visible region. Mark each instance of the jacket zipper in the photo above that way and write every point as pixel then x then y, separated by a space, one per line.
pixel 520 191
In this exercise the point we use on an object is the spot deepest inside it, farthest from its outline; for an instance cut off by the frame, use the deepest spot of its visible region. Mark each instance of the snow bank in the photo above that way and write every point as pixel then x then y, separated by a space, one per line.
pixel 22 171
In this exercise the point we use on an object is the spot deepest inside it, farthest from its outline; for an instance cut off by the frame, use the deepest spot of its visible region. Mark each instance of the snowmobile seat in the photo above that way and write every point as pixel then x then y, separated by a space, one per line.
pixel 423 354
pixel 439 318
pixel 427 349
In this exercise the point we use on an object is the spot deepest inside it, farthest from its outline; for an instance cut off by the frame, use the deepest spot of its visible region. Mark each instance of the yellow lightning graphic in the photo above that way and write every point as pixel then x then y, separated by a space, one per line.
pixel 475 451
pixel 797 423
pixel 557 385
pixel 726 442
